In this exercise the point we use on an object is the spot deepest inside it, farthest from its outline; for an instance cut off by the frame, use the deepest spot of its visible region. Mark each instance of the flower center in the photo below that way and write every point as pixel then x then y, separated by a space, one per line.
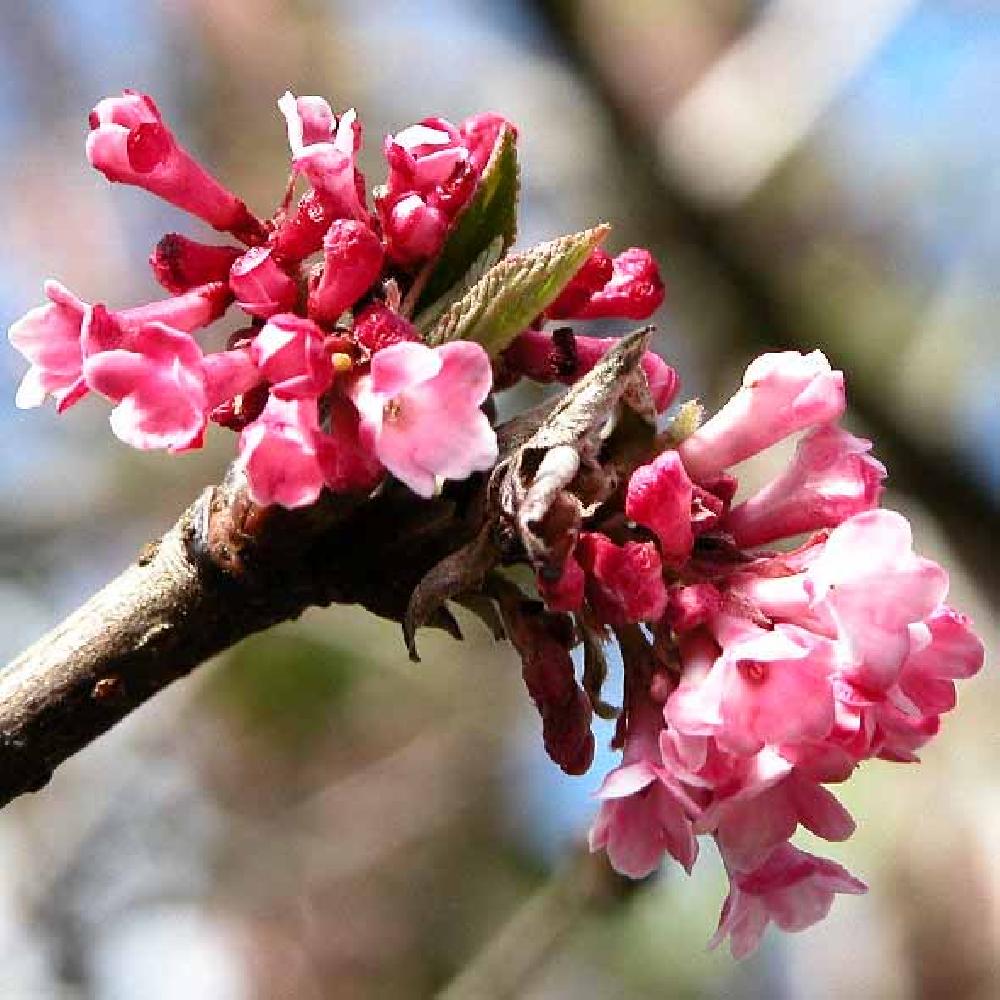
pixel 753 671
pixel 392 410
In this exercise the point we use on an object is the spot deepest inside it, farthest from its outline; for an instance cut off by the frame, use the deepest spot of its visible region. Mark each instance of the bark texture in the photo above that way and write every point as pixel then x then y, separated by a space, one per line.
pixel 226 570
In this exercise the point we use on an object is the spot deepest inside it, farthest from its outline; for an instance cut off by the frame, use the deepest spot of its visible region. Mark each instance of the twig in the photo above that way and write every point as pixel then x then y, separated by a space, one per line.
pixel 522 946
pixel 226 570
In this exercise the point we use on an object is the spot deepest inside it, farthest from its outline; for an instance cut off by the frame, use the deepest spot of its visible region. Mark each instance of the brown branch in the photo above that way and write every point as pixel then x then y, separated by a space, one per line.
pixel 227 569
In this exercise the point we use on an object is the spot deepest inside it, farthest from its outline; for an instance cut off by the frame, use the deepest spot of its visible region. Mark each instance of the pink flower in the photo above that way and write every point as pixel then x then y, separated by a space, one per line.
pixel 290 354
pixel 561 356
pixel 325 150
pixel 644 813
pixel 279 453
pixel 420 406
pixel 434 167
pixel 873 587
pixel 130 144
pixel 565 593
pixel 414 230
pixel 377 327
pixel 260 285
pixel 831 477
pixel 751 823
pixel 180 264
pixel 624 582
pixel 692 606
pixel 299 234
pixel 792 888
pixel 352 260
pixel 165 387
pixel 288 458
pixel 767 688
pixel 631 288
pixel 51 336
pixel 659 497
pixel 781 393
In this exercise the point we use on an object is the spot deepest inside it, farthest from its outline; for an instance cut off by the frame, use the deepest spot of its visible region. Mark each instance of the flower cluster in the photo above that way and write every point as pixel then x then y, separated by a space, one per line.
pixel 757 677
pixel 754 676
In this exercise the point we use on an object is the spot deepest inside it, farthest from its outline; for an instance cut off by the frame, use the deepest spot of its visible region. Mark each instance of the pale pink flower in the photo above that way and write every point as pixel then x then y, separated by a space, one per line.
pixel 767 687
pixel 262 288
pixel 130 144
pixel 873 587
pixel 165 387
pixel 289 353
pixel 51 336
pixel 831 477
pixel 751 822
pixel 325 149
pixel 644 812
pixel 781 393
pixel 352 260
pixel 420 407
pixel 792 888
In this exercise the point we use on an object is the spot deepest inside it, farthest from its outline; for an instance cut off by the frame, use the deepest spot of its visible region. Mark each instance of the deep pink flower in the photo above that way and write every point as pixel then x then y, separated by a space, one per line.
pixel 51 336
pixel 565 593
pixel 831 477
pixel 352 260
pixel 420 406
pixel 377 327
pixel 624 582
pixel 659 498
pixel 781 393
pixel 644 813
pixel 262 288
pixel 873 587
pixel 129 143
pixel 325 149
pixel 691 606
pixel 180 264
pixel 434 167
pixel 290 354
pixel 165 387
pixel 792 888
pixel 560 356
pixel 279 454
pixel 414 230
pixel 631 288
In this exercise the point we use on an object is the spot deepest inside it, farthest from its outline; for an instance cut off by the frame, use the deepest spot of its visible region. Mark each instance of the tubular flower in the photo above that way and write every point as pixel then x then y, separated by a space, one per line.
pixel 129 143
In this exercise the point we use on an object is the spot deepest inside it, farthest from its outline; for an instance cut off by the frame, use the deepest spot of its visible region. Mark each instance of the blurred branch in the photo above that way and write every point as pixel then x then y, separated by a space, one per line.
pixel 757 104
pixel 587 885
pixel 227 569
pixel 741 251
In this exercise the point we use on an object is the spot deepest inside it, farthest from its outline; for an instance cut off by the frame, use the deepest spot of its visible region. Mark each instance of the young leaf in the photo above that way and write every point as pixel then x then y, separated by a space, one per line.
pixel 512 293
pixel 426 319
pixel 490 214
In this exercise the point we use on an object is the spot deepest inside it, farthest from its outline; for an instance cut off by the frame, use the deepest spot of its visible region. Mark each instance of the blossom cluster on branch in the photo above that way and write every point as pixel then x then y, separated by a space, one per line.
pixel 770 643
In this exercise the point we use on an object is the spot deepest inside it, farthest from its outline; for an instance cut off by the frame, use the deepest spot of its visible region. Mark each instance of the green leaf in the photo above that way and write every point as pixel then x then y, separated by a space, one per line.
pixel 426 319
pixel 514 291
pixel 490 214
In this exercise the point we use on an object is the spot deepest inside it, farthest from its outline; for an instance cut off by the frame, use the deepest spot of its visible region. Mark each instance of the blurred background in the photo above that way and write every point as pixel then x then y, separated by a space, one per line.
pixel 313 816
